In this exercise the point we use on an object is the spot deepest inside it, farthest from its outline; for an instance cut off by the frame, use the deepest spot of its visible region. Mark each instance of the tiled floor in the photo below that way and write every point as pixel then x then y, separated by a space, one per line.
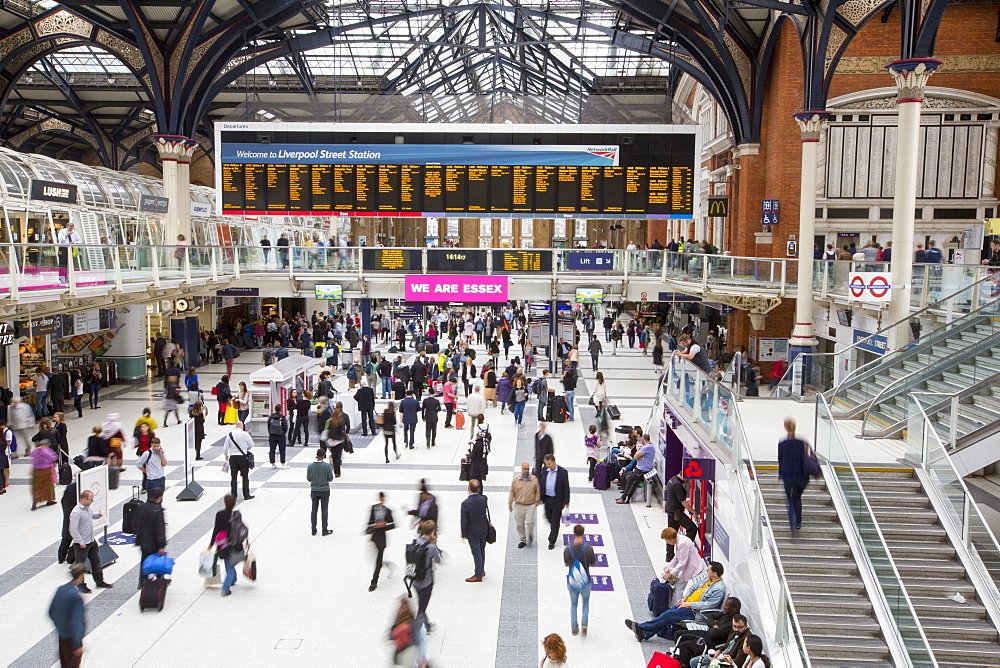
pixel 311 602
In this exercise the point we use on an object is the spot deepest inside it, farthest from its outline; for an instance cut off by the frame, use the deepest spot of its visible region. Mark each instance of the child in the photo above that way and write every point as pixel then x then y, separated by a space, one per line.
pixel 593 443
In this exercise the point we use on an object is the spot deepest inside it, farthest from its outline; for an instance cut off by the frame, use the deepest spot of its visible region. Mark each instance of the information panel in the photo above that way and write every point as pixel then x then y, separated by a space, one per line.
pixel 509 261
pixel 434 170
pixel 454 259
pixel 391 259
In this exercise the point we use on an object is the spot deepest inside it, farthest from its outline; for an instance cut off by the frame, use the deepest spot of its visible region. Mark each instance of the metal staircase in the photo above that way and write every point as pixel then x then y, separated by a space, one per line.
pixel 835 614
pixel 958 633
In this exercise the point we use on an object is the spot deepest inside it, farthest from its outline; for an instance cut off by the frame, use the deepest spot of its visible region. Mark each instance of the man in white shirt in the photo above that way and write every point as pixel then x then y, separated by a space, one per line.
pixel 81 529
pixel 67 237
pixel 236 448
pixel 152 463
pixel 686 563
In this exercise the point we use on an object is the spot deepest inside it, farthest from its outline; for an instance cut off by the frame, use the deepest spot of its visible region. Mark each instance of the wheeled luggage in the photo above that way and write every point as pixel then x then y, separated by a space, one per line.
pixel 129 510
pixel 153 593
pixel 602 476
pixel 659 597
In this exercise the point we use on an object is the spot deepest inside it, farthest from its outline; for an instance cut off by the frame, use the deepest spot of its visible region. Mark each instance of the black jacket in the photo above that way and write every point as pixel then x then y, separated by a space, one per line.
pixel 418 373
pixel 429 409
pixel 410 409
pixel 474 519
pixel 562 484
pixel 378 535
pixel 384 368
pixel 543 446
pixel 365 396
pixel 150 527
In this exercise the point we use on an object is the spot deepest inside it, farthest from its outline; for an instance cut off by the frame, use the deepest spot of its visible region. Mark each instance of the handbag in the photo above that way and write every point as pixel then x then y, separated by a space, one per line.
pixel 158 564
pixel 248 455
pixel 230 416
pixel 250 567
pixel 491 531
pixel 206 564
pixel 810 464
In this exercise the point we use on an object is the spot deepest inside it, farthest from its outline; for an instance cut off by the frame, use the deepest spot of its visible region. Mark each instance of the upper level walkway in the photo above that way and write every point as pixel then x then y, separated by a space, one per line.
pixel 40 278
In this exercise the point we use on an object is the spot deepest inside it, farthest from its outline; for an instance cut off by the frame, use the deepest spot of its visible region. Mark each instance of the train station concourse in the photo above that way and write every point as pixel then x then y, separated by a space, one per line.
pixel 500 334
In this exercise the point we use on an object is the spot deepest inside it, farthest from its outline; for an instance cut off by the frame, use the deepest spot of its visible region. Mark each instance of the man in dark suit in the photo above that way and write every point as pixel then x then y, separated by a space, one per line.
pixel 475 525
pixel 554 484
pixel 429 410
pixel 410 409
pixel 418 376
pixel 543 446
pixel 379 521
pixel 365 396
pixel 150 528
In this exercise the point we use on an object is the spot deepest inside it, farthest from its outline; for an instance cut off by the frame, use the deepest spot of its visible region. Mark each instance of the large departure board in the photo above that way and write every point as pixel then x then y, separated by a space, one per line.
pixel 519 171
pixel 444 260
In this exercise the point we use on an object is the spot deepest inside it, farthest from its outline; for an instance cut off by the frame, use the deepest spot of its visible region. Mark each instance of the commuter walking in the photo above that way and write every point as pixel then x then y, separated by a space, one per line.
pixel 543 447
pixel 423 580
pixel 43 459
pixel 518 399
pixel 389 429
pixel 792 453
pixel 429 410
pixel 150 529
pixel 81 529
pixel 595 351
pixel 524 496
pixel 379 523
pixel 554 486
pixel 229 354
pixel 68 503
pixel 152 464
pixel 450 398
pixel 338 429
pixel 475 528
pixel 579 557
pixel 223 549
pixel 319 474
pixel 237 450
pixel 410 409
pixel 67 614
pixel 475 405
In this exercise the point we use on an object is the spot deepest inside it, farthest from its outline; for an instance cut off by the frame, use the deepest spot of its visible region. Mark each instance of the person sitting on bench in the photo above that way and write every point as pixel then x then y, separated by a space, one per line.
pixel 645 460
pixel 705 592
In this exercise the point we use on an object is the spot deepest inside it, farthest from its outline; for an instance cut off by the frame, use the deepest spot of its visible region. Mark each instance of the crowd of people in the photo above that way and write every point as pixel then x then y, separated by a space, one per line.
pixel 449 367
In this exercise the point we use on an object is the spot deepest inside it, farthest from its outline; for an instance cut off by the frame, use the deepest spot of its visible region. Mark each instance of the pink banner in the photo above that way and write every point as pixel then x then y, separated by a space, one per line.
pixel 434 288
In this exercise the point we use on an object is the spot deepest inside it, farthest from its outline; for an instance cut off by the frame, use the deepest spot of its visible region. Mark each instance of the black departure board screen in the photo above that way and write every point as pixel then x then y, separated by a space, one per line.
pixel 443 260
pixel 391 259
pixel 431 170
pixel 510 261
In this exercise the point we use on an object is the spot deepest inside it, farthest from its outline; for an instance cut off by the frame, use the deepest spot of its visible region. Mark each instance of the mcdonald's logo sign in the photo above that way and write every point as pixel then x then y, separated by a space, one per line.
pixel 718 207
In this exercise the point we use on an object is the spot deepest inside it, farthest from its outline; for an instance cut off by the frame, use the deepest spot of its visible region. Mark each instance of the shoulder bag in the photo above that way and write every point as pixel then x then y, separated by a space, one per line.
pixel 810 465
pixel 248 455
pixel 491 532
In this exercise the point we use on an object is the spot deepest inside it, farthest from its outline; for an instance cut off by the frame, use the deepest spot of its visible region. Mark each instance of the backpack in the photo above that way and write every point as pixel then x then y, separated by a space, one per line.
pixel 238 532
pixel 416 564
pixel 371 369
pixel 277 425
pixel 536 386
pixel 352 374
pixel 933 256
pixel 577 578
pixel 13 438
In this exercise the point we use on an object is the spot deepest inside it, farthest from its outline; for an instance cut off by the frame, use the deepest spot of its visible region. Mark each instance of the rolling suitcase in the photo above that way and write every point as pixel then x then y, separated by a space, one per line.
pixel 113 475
pixel 459 420
pixel 659 597
pixel 129 510
pixel 463 472
pixel 602 476
pixel 153 592
pixel 614 413
pixel 559 410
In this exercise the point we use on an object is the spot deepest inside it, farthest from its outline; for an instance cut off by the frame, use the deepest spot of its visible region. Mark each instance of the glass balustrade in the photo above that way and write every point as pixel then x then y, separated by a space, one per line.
pixel 830 446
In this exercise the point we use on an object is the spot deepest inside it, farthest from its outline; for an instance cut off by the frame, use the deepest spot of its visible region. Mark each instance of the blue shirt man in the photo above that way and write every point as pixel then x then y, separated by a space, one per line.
pixel 67 613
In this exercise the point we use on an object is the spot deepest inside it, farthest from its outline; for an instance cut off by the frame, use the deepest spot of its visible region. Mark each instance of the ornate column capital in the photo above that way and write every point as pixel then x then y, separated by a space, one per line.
pixel 174 147
pixel 911 77
pixel 811 123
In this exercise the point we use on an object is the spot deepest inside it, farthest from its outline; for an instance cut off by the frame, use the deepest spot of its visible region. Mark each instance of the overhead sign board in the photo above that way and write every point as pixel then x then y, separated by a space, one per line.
pixel 597 261
pixel 49 324
pixel 698 468
pixel 442 289
pixel 869 286
pixel 52 191
pixel 153 204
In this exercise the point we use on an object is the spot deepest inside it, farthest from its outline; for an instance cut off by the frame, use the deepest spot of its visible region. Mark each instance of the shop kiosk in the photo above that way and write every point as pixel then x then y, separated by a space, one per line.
pixel 272 385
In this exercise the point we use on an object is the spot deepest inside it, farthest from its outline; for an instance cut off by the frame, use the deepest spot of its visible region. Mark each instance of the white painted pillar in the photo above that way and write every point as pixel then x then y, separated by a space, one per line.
pixel 811 126
pixel 911 78
pixel 175 155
